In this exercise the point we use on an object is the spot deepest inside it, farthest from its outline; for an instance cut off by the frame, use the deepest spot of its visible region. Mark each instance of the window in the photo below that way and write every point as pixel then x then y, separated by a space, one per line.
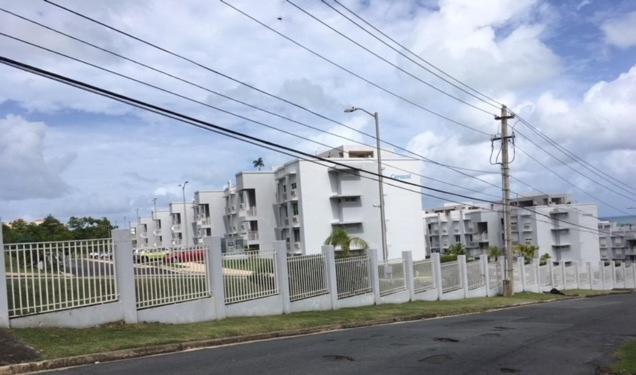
pixel 296 235
pixel 293 185
pixel 458 238
pixel 295 208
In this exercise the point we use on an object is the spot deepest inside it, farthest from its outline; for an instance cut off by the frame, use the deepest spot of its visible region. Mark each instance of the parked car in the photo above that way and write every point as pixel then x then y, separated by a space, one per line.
pixel 185 256
pixel 150 255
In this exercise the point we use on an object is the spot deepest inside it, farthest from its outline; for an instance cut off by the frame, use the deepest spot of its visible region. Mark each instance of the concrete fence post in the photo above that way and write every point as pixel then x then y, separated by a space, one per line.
pixel 624 274
pixel 502 272
pixel 409 280
pixel 437 274
pixel 535 268
pixel 601 265
pixel 330 274
pixel 550 272
pixel 282 274
pixel 521 263
pixel 588 266
pixel 486 272
pixel 463 273
pixel 4 302
pixel 125 273
pixel 215 272
pixel 374 275
pixel 634 274
pixel 577 274
pixel 613 263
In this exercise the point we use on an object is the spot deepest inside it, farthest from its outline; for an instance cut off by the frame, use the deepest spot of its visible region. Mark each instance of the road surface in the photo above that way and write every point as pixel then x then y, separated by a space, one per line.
pixel 567 337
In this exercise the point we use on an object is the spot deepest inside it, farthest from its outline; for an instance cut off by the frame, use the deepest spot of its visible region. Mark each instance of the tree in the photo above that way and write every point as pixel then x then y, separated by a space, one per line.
pixel 494 252
pixel 89 227
pixel 340 239
pixel 456 249
pixel 258 163
pixel 544 258
pixel 526 251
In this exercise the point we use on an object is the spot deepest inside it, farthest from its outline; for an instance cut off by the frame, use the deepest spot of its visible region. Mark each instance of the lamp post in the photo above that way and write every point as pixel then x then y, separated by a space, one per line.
pixel 185 214
pixel 385 248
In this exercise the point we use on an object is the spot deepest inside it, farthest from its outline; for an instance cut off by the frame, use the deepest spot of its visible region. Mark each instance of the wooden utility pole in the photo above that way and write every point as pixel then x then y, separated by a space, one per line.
pixel 508 287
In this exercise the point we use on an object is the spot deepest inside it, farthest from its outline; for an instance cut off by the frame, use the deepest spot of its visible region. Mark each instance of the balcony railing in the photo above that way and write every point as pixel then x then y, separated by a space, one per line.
pixel 252 236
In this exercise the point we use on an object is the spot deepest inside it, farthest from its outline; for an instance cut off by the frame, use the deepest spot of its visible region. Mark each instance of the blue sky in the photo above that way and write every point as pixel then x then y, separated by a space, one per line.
pixel 568 66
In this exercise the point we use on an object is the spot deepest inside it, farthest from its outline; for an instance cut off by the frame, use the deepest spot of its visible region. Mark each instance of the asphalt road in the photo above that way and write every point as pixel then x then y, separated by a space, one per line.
pixel 568 337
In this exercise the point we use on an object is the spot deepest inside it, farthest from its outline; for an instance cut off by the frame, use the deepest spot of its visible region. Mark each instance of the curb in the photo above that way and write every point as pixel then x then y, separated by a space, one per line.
pixel 21 368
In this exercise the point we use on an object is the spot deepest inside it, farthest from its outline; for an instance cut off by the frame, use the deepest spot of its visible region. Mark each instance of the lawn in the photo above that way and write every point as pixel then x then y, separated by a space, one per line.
pixel 65 342
pixel 627 359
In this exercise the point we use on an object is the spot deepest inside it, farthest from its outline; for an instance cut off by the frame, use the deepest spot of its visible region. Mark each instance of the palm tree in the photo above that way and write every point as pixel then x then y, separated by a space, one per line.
pixel 258 163
pixel 339 238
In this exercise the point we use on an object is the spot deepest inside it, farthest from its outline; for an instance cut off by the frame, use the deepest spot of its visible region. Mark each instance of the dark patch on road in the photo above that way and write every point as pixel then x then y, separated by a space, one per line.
pixel 338 357
pixel 13 351
pixel 445 339
pixel 330 340
pixel 508 370
pixel 502 328
pixel 359 339
pixel 436 359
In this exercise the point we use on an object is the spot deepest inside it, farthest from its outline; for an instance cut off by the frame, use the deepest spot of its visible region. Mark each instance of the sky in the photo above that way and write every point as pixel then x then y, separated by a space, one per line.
pixel 568 67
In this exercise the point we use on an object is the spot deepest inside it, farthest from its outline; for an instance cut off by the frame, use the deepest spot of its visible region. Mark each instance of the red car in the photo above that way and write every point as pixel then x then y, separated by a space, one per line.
pixel 185 256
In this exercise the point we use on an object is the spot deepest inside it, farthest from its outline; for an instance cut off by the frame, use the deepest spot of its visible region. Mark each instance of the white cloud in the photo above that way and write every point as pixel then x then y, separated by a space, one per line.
pixel 24 169
pixel 621 31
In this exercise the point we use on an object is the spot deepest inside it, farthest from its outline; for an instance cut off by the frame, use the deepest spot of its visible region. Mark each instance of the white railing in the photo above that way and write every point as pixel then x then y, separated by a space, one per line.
pixel 167 276
pixel 391 277
pixel 474 275
pixel 494 274
pixel 51 276
pixel 353 276
pixel 451 279
pixel 531 277
pixel 307 276
pixel 423 275
pixel 570 276
pixel 249 276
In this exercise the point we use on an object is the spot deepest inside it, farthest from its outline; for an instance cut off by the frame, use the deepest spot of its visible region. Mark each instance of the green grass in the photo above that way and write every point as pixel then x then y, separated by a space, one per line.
pixel 64 342
pixel 626 359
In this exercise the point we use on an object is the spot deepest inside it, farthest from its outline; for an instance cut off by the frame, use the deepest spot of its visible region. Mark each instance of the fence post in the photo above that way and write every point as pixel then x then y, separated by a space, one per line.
pixel 521 263
pixel 486 272
pixel 463 273
pixel 407 262
pixel 330 268
pixel 613 263
pixel 125 273
pixel 437 274
pixel 535 268
pixel 373 274
pixel 215 272
pixel 4 302
pixel 282 274
pixel 601 265
pixel 588 265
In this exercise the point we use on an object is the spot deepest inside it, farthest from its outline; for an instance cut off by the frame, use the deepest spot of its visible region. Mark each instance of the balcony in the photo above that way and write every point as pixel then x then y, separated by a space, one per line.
pixel 176 228
pixel 252 236
pixel 482 237
pixel 156 232
pixel 293 194
pixel 251 211
pixel 295 220
pixel 296 245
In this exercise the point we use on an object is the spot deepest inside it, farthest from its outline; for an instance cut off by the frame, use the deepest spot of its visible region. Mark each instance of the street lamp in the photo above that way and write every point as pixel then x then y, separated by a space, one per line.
pixel 185 213
pixel 385 248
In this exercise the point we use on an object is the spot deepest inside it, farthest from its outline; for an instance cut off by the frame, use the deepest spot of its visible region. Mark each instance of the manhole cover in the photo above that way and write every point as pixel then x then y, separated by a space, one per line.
pixel 436 359
pixel 338 357
pixel 445 339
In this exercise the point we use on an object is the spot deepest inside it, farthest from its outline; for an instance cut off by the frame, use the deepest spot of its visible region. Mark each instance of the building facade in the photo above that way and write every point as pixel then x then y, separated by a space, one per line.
pixel 617 241
pixel 181 219
pixel 311 200
pixel 554 223
pixel 209 208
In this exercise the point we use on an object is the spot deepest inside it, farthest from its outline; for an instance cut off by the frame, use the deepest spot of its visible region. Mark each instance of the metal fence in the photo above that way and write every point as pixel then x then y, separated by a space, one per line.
pixel 391 277
pixel 494 274
pixel 423 278
pixel 545 278
pixel 451 279
pixel 570 276
pixel 166 276
pixel 51 276
pixel 474 275
pixel 531 277
pixel 249 276
pixel 307 276
pixel 353 276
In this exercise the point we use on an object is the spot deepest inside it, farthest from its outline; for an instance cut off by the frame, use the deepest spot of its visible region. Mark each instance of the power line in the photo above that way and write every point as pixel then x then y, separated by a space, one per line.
pixel 349 71
pixel 458 170
pixel 231 133
pixel 467 88
pixel 386 60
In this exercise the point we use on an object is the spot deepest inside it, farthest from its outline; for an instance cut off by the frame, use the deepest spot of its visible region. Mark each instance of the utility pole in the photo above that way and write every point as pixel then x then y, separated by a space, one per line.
pixel 154 208
pixel 508 287
pixel 185 214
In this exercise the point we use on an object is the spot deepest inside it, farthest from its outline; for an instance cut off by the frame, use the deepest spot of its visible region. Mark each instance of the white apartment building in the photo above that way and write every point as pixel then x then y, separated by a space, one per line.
pixel 162 232
pixel 617 241
pixel 181 219
pixel 249 216
pixel 557 227
pixel 142 233
pixel 209 208
pixel 311 200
